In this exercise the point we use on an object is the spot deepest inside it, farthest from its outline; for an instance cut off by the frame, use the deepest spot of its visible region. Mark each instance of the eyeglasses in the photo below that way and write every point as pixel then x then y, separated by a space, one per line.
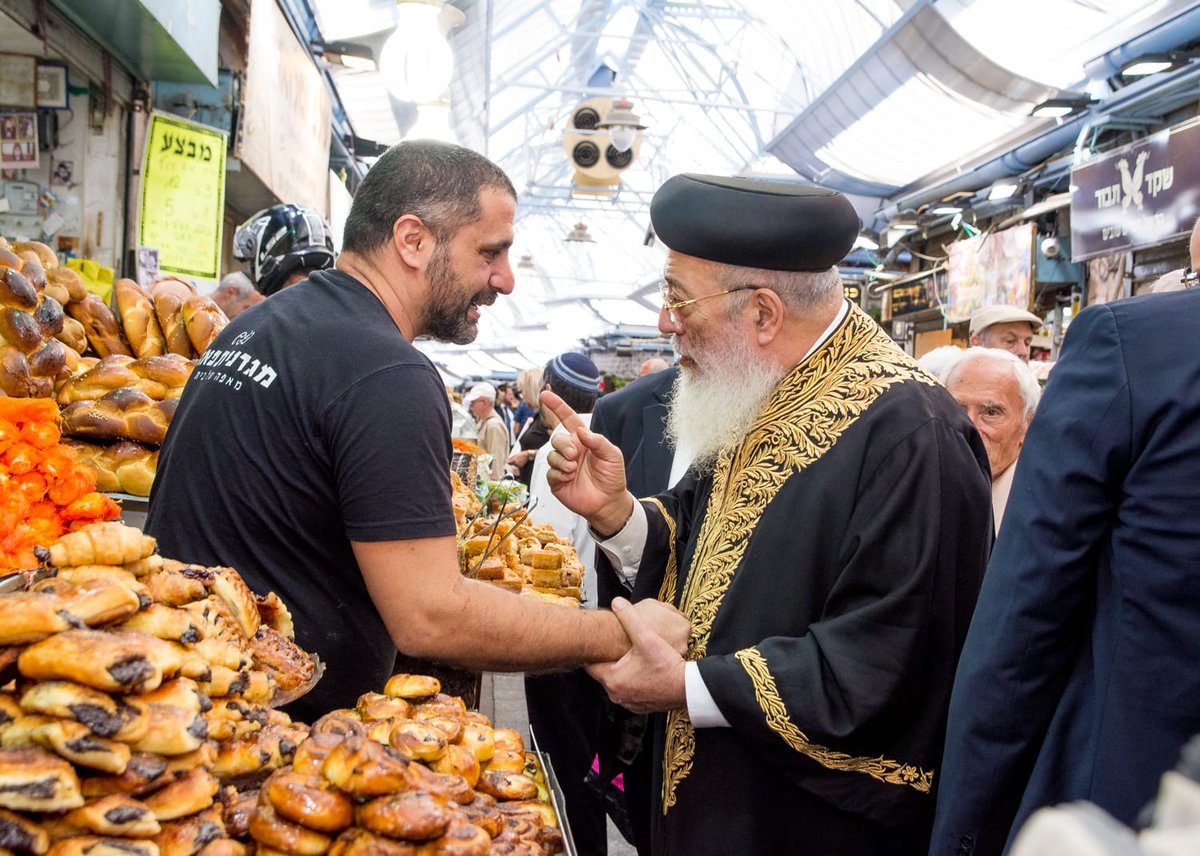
pixel 1190 278
pixel 673 306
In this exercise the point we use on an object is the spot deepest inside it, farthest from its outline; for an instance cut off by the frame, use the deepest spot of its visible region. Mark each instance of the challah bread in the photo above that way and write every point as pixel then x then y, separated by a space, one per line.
pixel 203 319
pixel 48 360
pixel 45 255
pixel 123 467
pixel 49 316
pixel 124 414
pixel 8 258
pixel 68 280
pixel 139 321
pixel 158 377
pixel 16 379
pixel 16 291
pixel 169 296
pixel 73 334
pixel 33 271
pixel 100 326
pixel 19 329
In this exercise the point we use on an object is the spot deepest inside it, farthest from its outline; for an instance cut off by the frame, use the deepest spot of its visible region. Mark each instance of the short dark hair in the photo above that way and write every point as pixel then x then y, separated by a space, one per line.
pixel 576 398
pixel 438 182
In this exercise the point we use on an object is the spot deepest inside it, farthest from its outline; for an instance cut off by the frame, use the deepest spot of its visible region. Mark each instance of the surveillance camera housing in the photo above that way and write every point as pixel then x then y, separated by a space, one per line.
pixel 1051 248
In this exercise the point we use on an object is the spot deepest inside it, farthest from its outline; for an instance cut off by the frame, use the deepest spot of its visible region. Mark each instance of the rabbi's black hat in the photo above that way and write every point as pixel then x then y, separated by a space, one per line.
pixel 754 223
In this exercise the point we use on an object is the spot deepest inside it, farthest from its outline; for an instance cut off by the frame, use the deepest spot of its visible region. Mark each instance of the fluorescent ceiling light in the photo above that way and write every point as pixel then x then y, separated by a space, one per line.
pixel 871 149
pixel 866 242
pixel 1003 190
pixel 946 210
pixel 1141 68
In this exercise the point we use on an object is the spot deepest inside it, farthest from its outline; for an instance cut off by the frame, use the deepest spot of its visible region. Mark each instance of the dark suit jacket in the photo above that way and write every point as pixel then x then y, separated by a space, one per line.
pixel 634 419
pixel 1079 678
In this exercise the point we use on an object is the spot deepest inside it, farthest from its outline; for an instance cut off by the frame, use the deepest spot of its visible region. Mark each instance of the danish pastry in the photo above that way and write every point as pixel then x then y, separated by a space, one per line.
pixel 372 706
pixel 294 670
pixel 96 710
pixel 32 779
pixel 360 842
pixel 119 660
pixel 100 601
pixel 310 755
pixel 171 588
pixel 273 613
pixel 190 793
pixel 444 785
pixel 95 845
pixel 309 801
pixel 82 574
pixel 340 723
pixel 506 761
pixel 22 835
pixel 181 692
pixel 412 686
pixel 462 839
pixel 223 847
pixel 188 835
pixel 31 616
pixel 267 827
pixel 459 760
pixel 414 816
pixel 172 730
pixel 143 774
pixel 418 740
pixel 238 806
pixel 72 740
pixel 363 768
pixel 116 814
pixel 508 738
pixel 504 785
pixel 203 758
pixel 164 622
pixel 478 738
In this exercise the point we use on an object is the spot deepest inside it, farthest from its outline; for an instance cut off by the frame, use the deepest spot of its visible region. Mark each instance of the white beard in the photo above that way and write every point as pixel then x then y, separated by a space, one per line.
pixel 713 409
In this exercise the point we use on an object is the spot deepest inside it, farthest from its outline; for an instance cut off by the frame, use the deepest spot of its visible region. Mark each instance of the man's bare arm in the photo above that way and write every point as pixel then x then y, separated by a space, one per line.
pixel 433 612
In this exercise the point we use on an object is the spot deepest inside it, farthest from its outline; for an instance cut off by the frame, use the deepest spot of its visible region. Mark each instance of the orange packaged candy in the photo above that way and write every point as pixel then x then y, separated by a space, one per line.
pixel 44 490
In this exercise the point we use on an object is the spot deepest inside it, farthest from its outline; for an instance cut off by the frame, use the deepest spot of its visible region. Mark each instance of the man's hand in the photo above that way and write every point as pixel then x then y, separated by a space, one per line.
pixel 649 678
pixel 586 471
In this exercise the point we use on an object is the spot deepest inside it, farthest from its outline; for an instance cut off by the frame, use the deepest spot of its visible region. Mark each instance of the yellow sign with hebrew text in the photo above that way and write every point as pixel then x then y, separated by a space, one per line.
pixel 183 196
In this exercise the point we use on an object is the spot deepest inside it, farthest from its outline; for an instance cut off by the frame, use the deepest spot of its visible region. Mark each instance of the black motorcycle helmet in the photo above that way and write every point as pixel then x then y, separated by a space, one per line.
pixel 280 240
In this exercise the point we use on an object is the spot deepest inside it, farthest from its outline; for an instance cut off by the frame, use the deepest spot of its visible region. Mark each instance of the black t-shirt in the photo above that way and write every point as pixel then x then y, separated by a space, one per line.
pixel 309 423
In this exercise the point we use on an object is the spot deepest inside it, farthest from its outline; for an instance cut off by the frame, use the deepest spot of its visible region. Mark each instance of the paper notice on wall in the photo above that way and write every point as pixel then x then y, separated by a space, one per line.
pixel 183 196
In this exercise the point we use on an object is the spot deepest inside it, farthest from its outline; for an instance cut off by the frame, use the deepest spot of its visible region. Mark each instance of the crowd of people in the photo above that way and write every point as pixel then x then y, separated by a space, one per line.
pixel 842 602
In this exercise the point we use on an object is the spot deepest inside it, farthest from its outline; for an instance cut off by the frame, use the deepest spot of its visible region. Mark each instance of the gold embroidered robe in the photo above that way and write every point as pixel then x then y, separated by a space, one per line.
pixel 829 566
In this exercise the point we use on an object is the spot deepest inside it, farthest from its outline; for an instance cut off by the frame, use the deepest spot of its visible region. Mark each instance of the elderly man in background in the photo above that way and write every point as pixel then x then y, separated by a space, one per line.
pixel 236 294
pixel 493 436
pixel 1005 327
pixel 1078 680
pixel 827 543
pixel 652 365
pixel 999 393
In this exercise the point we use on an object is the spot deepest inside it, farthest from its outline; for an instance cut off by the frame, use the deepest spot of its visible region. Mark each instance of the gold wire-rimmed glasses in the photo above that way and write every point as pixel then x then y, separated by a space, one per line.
pixel 673 306
pixel 1190 278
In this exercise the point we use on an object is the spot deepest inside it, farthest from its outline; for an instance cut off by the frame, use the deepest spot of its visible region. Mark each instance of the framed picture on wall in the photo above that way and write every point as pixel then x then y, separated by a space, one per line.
pixel 52 89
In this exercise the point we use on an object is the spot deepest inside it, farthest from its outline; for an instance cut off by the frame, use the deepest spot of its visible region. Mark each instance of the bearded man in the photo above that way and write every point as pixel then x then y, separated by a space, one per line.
pixel 311 448
pixel 827 544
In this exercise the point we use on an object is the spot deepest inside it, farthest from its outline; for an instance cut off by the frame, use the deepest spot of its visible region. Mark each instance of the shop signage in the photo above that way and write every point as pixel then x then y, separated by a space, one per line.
pixel 989 269
pixel 183 196
pixel 913 297
pixel 853 292
pixel 1137 196
pixel 286 112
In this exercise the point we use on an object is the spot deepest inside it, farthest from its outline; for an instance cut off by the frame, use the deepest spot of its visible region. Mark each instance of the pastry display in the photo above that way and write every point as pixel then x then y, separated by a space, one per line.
pixel 530 559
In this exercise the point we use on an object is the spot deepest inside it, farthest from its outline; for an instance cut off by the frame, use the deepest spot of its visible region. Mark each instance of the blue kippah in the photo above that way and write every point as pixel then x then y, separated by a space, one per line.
pixel 577 371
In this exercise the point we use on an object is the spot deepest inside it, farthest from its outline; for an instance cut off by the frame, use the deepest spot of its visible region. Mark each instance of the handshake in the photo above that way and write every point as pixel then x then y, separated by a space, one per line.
pixel 649 677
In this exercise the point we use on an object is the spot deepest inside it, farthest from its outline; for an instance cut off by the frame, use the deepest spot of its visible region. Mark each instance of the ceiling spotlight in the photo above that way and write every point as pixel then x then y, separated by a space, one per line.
pixel 1003 189
pixel 579 235
pixel 348 54
pixel 1056 108
pixel 416 62
pixel 1153 63
pixel 946 210
pixel 622 124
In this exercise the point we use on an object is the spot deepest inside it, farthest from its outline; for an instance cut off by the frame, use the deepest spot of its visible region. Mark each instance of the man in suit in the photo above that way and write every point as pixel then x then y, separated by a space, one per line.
pixel 1078 679
pixel 634 419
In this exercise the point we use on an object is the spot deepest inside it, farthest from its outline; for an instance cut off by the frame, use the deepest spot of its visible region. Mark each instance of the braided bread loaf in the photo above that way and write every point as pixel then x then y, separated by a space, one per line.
pixel 73 334
pixel 123 467
pixel 139 322
pixel 157 377
pixel 169 296
pixel 30 358
pixel 203 319
pixel 123 414
pixel 100 325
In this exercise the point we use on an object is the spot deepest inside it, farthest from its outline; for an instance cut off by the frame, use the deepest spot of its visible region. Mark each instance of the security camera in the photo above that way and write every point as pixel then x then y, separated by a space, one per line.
pixel 1051 248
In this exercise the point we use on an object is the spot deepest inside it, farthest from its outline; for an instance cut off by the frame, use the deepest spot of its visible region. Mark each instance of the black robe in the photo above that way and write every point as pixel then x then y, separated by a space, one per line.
pixel 829 566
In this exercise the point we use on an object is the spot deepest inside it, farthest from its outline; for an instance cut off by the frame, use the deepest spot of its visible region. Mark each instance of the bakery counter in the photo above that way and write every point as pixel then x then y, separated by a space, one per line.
pixel 133 509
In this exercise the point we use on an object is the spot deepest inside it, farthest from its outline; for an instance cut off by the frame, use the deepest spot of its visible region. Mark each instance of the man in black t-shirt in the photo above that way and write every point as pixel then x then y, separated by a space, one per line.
pixel 311 446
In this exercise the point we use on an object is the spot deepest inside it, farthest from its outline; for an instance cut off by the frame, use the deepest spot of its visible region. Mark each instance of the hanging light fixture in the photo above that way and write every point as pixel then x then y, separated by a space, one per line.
pixel 416 62
pixel 579 235
pixel 622 124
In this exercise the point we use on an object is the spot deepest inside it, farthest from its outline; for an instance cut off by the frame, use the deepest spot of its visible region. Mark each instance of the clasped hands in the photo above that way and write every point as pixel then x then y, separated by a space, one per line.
pixel 587 475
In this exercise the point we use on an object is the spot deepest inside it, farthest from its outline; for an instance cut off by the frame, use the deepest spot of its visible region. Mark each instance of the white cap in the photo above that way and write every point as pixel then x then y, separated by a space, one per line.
pixel 480 390
pixel 990 315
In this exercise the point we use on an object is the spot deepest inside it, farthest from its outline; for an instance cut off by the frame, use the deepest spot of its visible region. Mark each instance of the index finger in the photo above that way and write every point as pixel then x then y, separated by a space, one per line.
pixel 567 416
